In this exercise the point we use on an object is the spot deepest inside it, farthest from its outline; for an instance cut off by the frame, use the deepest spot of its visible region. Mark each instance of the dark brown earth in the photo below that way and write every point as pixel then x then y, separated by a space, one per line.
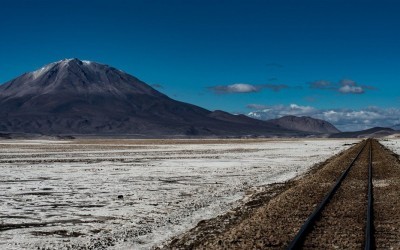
pixel 273 217
pixel 386 198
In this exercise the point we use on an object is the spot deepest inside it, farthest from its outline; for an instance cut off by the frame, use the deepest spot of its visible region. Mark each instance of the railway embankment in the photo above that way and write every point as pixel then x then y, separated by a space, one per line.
pixel 274 217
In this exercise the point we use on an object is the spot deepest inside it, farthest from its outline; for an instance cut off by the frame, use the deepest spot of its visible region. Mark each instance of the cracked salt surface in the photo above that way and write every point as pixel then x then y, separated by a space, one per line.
pixel 391 143
pixel 61 195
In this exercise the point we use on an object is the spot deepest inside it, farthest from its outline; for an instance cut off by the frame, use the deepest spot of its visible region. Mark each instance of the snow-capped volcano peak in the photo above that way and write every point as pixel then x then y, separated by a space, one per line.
pixel 74 60
pixel 74 76
pixel 62 63
pixel 37 73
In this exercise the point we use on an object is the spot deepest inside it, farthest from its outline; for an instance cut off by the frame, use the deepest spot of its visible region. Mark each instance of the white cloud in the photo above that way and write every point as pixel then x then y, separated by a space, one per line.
pixel 343 119
pixel 344 86
pixel 246 88
pixel 270 112
pixel 241 88
pixel 350 87
pixel 347 89
pixel 236 88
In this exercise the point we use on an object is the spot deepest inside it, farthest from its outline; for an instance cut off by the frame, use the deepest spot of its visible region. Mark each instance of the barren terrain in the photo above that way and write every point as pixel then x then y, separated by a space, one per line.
pixel 124 194
pixel 271 219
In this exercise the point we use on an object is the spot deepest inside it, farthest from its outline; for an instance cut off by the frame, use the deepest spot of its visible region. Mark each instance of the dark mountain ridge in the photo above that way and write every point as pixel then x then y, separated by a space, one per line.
pixel 305 123
pixel 81 97
pixel 375 132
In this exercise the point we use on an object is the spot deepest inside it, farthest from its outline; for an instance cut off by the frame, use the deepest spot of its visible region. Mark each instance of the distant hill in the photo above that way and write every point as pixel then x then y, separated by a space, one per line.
pixel 74 97
pixel 368 133
pixel 305 123
pixel 396 127
pixel 243 119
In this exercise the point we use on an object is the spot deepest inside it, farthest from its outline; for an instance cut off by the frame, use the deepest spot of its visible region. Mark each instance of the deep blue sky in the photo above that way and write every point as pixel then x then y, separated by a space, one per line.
pixel 320 55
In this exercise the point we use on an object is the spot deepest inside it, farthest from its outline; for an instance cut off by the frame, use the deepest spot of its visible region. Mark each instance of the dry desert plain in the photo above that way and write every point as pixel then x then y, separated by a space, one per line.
pixel 137 194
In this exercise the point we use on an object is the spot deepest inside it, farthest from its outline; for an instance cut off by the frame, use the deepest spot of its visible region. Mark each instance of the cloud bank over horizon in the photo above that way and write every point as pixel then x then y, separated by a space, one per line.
pixel 343 119
pixel 344 86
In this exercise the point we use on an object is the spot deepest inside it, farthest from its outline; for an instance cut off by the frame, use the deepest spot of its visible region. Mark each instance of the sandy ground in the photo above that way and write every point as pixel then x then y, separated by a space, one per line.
pixel 124 194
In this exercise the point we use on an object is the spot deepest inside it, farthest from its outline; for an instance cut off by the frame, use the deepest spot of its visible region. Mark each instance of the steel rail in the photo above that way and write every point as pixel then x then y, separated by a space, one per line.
pixel 369 238
pixel 298 240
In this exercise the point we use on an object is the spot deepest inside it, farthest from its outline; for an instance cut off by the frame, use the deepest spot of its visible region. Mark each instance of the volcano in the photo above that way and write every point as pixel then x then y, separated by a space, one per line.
pixel 87 98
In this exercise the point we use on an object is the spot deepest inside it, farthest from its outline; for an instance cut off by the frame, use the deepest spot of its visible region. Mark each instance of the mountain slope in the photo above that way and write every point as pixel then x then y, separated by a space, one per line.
pixel 81 97
pixel 305 123
pixel 368 133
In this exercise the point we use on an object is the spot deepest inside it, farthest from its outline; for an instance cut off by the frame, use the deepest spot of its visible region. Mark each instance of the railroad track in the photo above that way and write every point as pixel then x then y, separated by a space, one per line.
pixel 357 177
pixel 341 223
